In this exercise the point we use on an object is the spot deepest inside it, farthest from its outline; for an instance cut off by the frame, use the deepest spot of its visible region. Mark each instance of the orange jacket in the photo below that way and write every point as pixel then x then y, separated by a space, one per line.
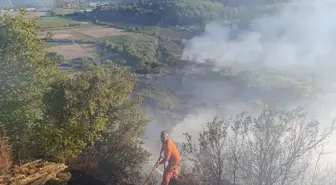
pixel 171 152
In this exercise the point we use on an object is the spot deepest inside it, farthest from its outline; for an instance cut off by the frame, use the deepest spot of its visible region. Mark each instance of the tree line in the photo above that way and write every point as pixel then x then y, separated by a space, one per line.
pixel 180 12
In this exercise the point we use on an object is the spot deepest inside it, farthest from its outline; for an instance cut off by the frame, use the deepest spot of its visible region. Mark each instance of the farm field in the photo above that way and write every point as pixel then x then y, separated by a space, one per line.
pixel 67 31
pixel 103 32
pixel 74 50
pixel 55 24
pixel 76 39
pixel 58 23
pixel 84 33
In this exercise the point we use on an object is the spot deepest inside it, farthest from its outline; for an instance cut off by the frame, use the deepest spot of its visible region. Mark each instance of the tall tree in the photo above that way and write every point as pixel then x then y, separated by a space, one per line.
pixel 25 74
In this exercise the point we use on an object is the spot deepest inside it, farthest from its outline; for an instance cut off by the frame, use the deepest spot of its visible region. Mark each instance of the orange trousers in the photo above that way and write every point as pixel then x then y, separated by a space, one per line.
pixel 171 172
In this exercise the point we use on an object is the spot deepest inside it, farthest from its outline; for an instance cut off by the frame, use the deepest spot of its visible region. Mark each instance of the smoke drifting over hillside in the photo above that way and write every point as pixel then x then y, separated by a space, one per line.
pixel 302 35
pixel 299 42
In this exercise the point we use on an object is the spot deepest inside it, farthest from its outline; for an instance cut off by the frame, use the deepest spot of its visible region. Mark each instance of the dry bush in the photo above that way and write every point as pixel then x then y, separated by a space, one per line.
pixel 188 176
pixel 189 179
pixel 5 153
pixel 86 161
pixel 153 180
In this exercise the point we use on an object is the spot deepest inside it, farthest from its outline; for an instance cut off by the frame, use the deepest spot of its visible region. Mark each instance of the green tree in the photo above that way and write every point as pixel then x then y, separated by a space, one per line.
pixel 25 74
pixel 58 59
pixel 89 108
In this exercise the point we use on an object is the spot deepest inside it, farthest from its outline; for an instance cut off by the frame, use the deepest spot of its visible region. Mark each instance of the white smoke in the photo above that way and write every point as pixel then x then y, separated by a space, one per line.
pixel 301 35
pixel 299 41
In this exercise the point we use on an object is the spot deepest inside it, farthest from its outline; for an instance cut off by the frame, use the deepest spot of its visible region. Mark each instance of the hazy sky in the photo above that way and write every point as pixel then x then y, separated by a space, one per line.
pixel 4 3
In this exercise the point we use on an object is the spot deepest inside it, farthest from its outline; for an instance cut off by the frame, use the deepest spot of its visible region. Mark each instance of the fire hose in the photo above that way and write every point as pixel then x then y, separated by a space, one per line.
pixel 154 168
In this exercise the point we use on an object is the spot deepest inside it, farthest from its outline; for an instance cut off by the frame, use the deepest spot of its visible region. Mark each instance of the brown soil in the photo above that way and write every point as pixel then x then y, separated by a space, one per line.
pixel 73 51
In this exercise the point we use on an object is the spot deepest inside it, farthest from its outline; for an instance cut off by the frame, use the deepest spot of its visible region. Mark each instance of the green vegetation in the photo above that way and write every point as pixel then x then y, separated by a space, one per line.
pixel 149 49
pixel 143 52
pixel 271 84
pixel 25 75
pixel 165 102
pixel 159 26
pixel 92 119
pixel 140 51
pixel 162 98
pixel 180 13
pixel 57 115
pixel 46 22
pixel 160 13
pixel 57 23
pixel 63 11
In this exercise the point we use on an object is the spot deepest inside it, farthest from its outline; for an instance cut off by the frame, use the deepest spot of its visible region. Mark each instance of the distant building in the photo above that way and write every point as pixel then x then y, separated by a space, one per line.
pixel 31 3
pixel 71 3
pixel 86 10
pixel 93 4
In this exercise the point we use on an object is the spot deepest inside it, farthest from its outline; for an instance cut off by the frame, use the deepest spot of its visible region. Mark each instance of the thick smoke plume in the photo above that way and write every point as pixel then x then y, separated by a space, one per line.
pixel 299 36
pixel 299 41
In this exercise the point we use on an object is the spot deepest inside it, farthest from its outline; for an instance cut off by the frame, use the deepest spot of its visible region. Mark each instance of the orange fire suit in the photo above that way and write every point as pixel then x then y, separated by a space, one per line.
pixel 172 155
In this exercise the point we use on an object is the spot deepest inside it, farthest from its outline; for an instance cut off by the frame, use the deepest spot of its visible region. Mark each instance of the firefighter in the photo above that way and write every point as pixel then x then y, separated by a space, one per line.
pixel 172 156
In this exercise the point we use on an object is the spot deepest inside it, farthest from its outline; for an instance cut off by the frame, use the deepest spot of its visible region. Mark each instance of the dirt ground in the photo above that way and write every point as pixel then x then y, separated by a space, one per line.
pixel 73 51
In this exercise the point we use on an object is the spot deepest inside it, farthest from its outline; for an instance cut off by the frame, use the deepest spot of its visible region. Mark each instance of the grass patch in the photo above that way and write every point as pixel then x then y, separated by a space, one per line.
pixel 53 23
pixel 47 22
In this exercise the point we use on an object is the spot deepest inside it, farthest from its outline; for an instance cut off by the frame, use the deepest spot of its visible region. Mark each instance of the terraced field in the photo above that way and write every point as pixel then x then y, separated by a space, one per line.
pixel 73 50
